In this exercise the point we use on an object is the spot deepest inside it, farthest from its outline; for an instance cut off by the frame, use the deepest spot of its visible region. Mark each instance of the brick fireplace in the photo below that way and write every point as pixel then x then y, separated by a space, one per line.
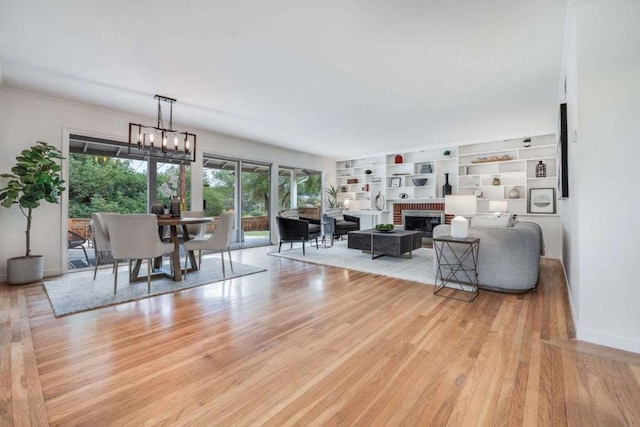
pixel 399 207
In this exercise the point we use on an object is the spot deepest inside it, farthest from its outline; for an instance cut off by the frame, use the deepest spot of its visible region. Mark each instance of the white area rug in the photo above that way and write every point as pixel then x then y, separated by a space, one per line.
pixel 76 292
pixel 419 268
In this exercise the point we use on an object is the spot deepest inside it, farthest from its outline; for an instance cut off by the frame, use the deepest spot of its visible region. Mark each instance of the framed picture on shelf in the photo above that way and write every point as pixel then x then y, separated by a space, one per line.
pixel 395 182
pixel 542 200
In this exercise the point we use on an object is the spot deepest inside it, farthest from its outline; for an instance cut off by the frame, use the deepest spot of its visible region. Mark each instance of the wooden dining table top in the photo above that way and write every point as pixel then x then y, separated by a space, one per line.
pixel 184 220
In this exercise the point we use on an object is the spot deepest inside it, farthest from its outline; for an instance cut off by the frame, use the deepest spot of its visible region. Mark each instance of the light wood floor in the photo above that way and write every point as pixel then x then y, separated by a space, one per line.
pixel 304 344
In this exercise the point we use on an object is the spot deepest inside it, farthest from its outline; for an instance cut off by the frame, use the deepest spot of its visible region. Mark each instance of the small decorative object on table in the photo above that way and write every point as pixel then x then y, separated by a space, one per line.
pixel 384 228
pixel 157 208
pixel 174 207
pixel 541 170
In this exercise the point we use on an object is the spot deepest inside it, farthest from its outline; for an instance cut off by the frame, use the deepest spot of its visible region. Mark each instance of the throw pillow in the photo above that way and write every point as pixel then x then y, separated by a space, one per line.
pixel 335 213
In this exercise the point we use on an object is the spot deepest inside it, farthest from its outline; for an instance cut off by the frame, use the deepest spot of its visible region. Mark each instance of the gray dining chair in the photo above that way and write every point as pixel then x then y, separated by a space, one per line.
pixel 101 241
pixel 135 237
pixel 219 240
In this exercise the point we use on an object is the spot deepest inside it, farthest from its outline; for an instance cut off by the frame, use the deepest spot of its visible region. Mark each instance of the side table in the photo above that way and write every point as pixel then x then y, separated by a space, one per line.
pixel 327 231
pixel 457 265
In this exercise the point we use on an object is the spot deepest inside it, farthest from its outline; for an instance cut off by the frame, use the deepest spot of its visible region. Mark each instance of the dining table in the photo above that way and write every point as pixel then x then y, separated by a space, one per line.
pixel 173 223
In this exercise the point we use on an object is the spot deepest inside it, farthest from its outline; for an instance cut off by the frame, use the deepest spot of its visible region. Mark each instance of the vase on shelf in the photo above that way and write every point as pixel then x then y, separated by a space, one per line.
pixel 446 188
pixel 379 202
pixel 541 170
pixel 496 181
pixel 398 159
pixel 514 193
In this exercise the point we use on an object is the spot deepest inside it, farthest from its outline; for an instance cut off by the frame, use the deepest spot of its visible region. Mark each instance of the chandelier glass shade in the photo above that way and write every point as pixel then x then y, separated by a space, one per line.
pixel 162 142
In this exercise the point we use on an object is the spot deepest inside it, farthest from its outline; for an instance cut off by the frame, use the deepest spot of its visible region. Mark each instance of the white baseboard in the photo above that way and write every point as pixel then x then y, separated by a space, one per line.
pixel 618 342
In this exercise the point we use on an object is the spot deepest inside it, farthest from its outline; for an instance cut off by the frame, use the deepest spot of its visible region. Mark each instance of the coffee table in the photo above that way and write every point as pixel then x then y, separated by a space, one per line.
pixel 399 243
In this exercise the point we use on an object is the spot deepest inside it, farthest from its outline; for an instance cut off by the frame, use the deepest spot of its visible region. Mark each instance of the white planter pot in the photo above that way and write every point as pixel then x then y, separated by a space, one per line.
pixel 21 270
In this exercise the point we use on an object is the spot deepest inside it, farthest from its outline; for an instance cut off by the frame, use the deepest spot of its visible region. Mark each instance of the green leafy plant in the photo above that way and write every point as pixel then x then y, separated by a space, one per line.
pixel 36 177
pixel 384 227
pixel 332 196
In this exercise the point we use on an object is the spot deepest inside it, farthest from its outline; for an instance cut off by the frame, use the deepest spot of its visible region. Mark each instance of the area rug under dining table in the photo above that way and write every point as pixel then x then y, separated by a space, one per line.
pixel 419 268
pixel 76 292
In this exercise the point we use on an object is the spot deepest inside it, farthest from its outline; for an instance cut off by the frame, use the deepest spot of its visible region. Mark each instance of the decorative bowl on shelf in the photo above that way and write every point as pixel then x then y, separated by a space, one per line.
pixel 419 182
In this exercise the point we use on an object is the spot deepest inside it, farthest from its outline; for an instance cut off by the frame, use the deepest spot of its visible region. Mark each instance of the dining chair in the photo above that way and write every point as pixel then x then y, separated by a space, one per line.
pixel 135 237
pixel 219 240
pixel 101 242
pixel 76 241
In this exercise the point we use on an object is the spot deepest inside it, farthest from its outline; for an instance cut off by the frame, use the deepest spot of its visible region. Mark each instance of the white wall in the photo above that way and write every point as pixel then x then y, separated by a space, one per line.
pixel 26 118
pixel 600 217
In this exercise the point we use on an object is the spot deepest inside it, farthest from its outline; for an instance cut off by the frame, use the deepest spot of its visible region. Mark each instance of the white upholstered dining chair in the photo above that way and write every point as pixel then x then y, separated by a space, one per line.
pixel 136 237
pixel 101 241
pixel 219 240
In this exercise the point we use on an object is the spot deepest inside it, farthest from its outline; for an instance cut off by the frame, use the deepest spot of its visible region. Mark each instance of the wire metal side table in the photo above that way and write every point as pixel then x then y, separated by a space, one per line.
pixel 327 232
pixel 457 265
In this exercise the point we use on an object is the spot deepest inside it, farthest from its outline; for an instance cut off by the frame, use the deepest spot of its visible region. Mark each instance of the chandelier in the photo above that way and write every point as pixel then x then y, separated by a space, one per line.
pixel 162 142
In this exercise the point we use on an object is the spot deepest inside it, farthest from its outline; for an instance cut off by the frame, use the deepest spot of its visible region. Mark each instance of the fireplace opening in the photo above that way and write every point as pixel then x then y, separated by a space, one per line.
pixel 424 221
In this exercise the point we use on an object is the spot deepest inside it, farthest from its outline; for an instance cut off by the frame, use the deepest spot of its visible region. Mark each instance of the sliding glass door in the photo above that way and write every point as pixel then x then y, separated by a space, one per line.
pixel 256 199
pixel 241 187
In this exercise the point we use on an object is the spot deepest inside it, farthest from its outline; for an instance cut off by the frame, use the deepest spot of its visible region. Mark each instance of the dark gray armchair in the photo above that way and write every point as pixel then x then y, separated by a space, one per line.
pixel 341 223
pixel 294 230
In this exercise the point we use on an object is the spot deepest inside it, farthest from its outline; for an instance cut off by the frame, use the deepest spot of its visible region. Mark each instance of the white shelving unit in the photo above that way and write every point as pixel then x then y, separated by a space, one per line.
pixel 394 180
pixel 497 170
pixel 506 170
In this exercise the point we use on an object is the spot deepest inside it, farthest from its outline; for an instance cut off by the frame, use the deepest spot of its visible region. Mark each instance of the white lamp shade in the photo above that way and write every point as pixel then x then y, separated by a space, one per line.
pixel 346 203
pixel 460 206
pixel 497 205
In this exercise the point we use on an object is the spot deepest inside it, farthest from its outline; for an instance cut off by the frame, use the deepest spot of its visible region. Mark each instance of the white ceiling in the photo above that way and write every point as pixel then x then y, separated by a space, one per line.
pixel 333 77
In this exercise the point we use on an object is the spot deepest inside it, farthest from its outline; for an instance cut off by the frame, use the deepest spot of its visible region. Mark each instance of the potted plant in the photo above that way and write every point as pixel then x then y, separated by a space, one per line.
pixel 332 196
pixel 35 178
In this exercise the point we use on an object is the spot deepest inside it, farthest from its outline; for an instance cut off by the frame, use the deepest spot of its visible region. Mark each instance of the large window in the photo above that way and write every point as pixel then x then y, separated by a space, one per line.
pixel 300 188
pixel 104 178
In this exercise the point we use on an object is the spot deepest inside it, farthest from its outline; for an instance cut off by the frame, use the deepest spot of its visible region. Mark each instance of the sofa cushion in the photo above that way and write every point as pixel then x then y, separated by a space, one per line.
pixel 347 225
pixel 314 228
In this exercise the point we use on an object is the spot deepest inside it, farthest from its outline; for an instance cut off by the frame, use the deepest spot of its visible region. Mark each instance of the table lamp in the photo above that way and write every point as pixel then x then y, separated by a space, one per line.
pixel 345 204
pixel 460 206
pixel 498 207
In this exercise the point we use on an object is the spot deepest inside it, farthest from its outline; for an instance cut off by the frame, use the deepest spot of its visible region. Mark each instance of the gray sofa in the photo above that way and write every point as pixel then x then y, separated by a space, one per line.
pixel 509 257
